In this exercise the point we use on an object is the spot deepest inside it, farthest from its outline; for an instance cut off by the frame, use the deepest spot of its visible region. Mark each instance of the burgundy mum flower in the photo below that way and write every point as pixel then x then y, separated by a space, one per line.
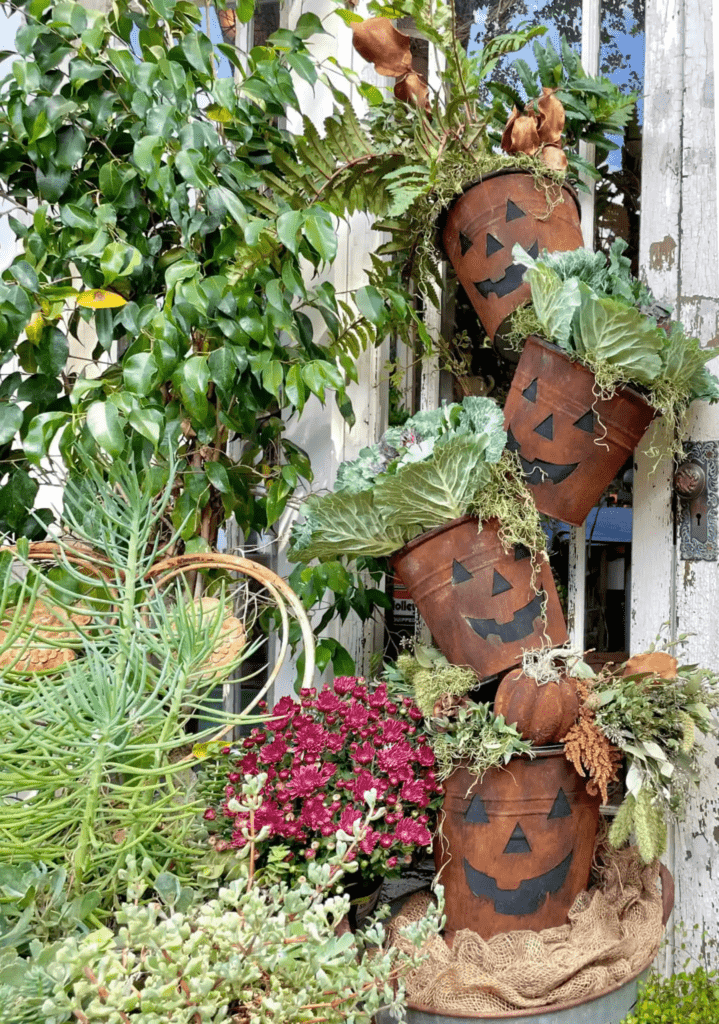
pixel 328 701
pixel 425 756
pixel 357 717
pixel 273 752
pixel 310 739
pixel 378 698
pixel 309 779
pixel 393 730
pixel 410 831
pixel 364 754
pixel 415 792
pixel 366 781
pixel 395 757
pixel 345 684
pixel 314 814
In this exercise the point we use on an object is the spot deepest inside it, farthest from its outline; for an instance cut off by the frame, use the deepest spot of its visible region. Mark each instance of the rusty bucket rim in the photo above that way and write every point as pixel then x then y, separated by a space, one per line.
pixel 620 389
pixel 436 531
pixel 500 172
pixel 533 1011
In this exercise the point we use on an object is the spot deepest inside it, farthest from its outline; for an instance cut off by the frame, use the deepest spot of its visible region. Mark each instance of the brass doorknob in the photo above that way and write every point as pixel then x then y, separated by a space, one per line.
pixel 689 480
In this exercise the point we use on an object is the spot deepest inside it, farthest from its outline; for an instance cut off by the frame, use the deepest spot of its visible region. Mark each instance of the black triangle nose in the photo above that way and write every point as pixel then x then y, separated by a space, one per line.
pixel 518 842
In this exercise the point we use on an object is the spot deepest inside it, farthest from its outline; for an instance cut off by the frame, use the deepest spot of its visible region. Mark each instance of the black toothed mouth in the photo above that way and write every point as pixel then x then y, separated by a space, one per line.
pixel 538 471
pixel 529 895
pixel 519 626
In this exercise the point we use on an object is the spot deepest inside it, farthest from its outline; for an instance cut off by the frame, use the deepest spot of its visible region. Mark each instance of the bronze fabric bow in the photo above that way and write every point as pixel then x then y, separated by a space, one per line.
pixel 380 43
pixel 538 127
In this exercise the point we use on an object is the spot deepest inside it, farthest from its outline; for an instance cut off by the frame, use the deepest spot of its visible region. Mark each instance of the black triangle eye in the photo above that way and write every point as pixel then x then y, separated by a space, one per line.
pixel 560 807
pixel 477 812
pixel 518 842
pixel 465 243
pixel 459 573
pixel 530 392
pixel 493 245
pixel 513 211
pixel 546 428
pixel 534 250
pixel 499 584
pixel 520 552
pixel 586 422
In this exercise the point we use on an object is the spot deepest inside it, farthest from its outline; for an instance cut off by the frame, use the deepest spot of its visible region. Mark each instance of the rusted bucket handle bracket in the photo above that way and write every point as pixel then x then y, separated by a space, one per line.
pixel 667 892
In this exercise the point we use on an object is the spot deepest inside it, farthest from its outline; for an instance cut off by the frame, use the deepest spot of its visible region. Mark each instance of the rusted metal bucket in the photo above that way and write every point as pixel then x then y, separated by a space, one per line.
pixel 482 226
pixel 570 443
pixel 515 847
pixel 610 1007
pixel 477 598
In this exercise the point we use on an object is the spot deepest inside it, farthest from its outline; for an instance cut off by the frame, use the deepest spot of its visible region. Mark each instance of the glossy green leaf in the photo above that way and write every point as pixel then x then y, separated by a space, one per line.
pixel 148 423
pixel 139 372
pixel 40 433
pixel 217 475
pixel 103 422
pixel 10 421
pixel 321 233
pixel 25 275
pixel 118 260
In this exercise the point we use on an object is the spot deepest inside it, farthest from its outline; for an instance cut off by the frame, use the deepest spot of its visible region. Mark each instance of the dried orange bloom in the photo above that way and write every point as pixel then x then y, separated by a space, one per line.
pixel 520 134
pixel 586 746
pixel 554 157
pixel 413 88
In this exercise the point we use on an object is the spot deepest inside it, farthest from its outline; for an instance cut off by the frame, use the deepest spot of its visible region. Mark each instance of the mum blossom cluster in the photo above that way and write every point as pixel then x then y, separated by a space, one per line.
pixel 321 754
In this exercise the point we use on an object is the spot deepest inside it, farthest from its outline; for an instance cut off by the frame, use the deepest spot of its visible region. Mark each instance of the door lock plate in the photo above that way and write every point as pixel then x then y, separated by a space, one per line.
pixel 695 484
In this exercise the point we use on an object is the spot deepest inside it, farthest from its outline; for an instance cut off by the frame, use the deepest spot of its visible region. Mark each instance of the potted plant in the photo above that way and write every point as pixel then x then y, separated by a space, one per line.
pixel 520 775
pixel 440 498
pixel 322 760
pixel 413 156
pixel 98 740
pixel 601 360
pixel 223 950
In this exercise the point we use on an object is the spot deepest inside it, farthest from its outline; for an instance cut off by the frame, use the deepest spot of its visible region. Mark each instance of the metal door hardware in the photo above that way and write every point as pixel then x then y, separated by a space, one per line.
pixel 695 482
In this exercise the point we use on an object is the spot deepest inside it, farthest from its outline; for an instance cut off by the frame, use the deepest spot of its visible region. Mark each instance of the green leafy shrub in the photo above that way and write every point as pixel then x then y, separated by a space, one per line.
pixel 689 997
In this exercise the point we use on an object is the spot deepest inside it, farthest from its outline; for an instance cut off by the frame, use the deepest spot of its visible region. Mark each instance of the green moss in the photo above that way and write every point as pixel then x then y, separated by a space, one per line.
pixel 507 498
pixel 521 323
pixel 430 685
pixel 476 738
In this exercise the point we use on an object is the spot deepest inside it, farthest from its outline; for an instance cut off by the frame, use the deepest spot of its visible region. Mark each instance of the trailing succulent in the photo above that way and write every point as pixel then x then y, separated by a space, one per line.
pixel 441 465
pixel 597 312
pixel 259 955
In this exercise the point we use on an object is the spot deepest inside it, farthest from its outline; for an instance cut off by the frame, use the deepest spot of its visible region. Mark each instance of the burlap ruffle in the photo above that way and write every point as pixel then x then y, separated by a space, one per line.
pixel 614 931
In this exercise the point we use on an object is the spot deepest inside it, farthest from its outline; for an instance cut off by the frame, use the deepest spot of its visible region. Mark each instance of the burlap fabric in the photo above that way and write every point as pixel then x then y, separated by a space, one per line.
pixel 614 931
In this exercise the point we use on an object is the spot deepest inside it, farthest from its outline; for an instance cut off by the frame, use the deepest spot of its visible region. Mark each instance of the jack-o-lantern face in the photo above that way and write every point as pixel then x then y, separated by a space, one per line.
pixel 531 893
pixel 477 598
pixel 570 444
pixel 538 470
pixel 516 845
pixel 508 626
pixel 481 230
